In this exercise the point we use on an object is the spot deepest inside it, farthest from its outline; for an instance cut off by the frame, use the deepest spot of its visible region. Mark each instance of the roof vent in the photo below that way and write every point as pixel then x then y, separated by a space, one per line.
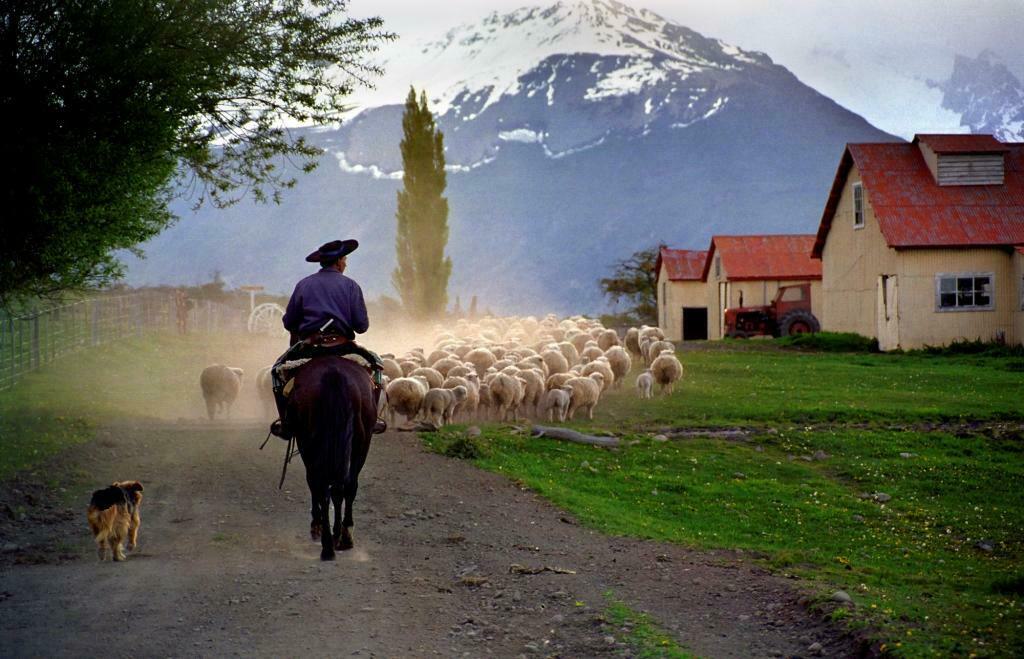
pixel 963 159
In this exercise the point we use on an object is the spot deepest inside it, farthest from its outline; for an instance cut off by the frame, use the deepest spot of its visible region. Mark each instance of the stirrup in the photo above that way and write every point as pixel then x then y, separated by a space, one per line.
pixel 278 429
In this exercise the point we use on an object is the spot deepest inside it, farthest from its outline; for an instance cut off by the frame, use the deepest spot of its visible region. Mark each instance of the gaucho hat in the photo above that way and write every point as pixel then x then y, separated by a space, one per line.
pixel 333 250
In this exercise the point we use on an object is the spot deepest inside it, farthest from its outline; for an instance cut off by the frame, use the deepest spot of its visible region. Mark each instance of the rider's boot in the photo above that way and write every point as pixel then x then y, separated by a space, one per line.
pixel 279 427
pixel 379 426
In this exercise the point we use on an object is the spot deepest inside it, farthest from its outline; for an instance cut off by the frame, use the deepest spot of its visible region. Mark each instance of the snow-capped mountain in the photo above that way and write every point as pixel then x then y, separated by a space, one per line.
pixel 576 134
pixel 610 68
pixel 986 95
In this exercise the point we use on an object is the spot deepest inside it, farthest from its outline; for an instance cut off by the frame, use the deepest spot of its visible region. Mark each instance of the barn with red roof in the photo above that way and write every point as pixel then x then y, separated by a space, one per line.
pixel 682 296
pixel 923 243
pixel 747 271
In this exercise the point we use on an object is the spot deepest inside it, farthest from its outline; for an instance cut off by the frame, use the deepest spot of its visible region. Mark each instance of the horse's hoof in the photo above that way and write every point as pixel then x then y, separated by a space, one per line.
pixel 327 555
pixel 345 542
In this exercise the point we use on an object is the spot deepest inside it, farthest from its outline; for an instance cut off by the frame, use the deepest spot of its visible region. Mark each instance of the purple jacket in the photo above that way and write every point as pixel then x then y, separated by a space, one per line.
pixel 324 295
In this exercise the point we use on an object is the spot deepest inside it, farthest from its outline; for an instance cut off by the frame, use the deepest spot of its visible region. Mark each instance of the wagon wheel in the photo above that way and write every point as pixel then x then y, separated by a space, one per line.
pixel 266 319
pixel 798 322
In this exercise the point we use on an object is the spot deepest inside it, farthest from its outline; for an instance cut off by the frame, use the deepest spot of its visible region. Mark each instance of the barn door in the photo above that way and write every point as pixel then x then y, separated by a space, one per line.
pixel 723 304
pixel 888 313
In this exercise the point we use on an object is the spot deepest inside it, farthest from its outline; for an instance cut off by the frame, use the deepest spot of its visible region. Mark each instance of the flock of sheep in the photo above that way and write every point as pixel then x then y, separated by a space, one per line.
pixel 500 368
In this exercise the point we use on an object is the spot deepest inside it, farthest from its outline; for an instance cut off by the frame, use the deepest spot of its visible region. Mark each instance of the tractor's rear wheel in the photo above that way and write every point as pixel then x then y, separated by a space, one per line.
pixel 798 322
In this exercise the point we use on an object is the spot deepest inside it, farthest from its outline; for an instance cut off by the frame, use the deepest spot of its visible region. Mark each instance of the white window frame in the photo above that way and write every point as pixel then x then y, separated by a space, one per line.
pixel 1021 282
pixel 718 267
pixel 858 191
pixel 959 275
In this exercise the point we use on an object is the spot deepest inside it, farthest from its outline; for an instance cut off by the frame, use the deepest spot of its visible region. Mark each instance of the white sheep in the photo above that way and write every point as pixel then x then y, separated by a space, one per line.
pixel 481 359
pixel 433 376
pixel 584 393
pixel 555 404
pixel 620 363
pixel 393 369
pixel 645 384
pixel 604 368
pixel 405 397
pixel 505 392
pixel 265 389
pixel 632 341
pixel 666 370
pixel 607 338
pixel 555 360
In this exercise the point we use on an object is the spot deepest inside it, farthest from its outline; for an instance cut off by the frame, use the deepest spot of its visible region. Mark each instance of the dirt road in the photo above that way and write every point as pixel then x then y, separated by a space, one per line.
pixel 225 565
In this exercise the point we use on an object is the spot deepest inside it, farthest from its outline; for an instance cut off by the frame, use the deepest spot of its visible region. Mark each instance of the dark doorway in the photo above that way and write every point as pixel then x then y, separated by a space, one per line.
pixel 695 323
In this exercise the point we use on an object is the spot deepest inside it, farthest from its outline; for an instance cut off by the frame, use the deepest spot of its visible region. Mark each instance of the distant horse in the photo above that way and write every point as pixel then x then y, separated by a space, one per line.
pixel 331 411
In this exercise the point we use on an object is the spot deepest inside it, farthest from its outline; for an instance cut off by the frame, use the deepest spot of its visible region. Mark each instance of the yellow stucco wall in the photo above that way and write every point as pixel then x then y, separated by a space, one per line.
pixel 672 297
pixel 854 258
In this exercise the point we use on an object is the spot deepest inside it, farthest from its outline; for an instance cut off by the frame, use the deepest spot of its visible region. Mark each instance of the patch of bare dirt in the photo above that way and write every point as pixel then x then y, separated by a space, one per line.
pixel 449 561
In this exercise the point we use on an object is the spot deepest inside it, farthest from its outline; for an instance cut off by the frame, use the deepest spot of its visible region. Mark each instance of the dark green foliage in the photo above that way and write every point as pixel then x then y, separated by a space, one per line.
pixel 421 277
pixel 975 347
pixel 633 280
pixel 111 103
pixel 462 446
pixel 830 342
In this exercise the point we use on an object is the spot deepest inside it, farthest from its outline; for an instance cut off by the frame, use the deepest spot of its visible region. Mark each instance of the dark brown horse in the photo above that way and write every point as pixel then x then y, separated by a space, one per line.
pixel 332 413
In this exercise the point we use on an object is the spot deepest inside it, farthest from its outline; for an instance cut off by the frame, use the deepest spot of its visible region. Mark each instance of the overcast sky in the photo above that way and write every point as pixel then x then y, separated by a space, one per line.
pixel 871 56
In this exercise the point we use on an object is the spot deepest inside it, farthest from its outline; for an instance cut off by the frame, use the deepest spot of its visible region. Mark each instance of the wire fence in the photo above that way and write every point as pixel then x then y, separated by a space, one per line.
pixel 31 340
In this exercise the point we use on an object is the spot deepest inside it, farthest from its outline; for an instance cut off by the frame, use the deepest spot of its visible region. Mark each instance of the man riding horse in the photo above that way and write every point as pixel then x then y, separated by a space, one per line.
pixel 324 314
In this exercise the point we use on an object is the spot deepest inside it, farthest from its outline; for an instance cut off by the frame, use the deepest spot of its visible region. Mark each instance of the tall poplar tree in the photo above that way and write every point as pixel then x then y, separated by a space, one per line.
pixel 421 277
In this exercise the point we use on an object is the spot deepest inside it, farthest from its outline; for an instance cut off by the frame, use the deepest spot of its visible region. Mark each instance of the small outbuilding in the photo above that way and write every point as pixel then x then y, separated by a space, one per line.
pixel 923 243
pixel 682 295
pixel 747 271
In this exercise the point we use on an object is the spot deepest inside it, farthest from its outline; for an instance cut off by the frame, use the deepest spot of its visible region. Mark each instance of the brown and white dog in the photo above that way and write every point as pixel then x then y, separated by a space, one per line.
pixel 114 517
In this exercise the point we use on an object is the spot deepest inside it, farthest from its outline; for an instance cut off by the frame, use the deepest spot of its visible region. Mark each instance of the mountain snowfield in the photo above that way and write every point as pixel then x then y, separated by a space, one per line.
pixel 634 53
pixel 575 134
pixel 986 95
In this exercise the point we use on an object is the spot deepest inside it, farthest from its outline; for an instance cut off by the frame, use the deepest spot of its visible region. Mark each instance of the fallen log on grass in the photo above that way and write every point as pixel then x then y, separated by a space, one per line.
pixel 573 436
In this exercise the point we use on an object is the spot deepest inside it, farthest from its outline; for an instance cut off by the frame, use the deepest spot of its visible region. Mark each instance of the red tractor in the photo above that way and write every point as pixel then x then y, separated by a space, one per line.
pixel 789 313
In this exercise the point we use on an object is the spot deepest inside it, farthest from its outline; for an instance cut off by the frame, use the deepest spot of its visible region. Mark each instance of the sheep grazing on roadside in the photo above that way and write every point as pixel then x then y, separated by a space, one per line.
pixel 632 341
pixel 220 385
pixel 555 405
pixel 607 338
pixel 405 397
pixel 584 393
pixel 620 363
pixel 645 384
pixel 666 370
pixel 434 378
pixel 265 390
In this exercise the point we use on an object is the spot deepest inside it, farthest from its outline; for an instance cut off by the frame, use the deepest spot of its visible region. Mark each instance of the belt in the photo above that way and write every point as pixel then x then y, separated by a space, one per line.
pixel 325 340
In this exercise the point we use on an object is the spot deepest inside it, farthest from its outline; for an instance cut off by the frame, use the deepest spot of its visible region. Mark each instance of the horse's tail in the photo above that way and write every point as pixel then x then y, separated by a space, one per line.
pixel 334 426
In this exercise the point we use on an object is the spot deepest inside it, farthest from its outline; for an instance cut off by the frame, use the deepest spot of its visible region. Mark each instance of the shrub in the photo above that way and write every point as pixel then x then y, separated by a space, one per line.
pixel 830 342
pixel 975 347
pixel 463 447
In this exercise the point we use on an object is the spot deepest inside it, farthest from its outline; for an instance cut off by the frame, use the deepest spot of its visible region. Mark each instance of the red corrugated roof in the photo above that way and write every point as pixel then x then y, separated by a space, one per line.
pixel 962 143
pixel 681 264
pixel 764 257
pixel 914 211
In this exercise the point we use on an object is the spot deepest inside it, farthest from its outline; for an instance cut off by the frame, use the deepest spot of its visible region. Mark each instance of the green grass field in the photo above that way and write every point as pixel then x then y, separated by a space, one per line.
pixel 920 583
pixel 912 565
